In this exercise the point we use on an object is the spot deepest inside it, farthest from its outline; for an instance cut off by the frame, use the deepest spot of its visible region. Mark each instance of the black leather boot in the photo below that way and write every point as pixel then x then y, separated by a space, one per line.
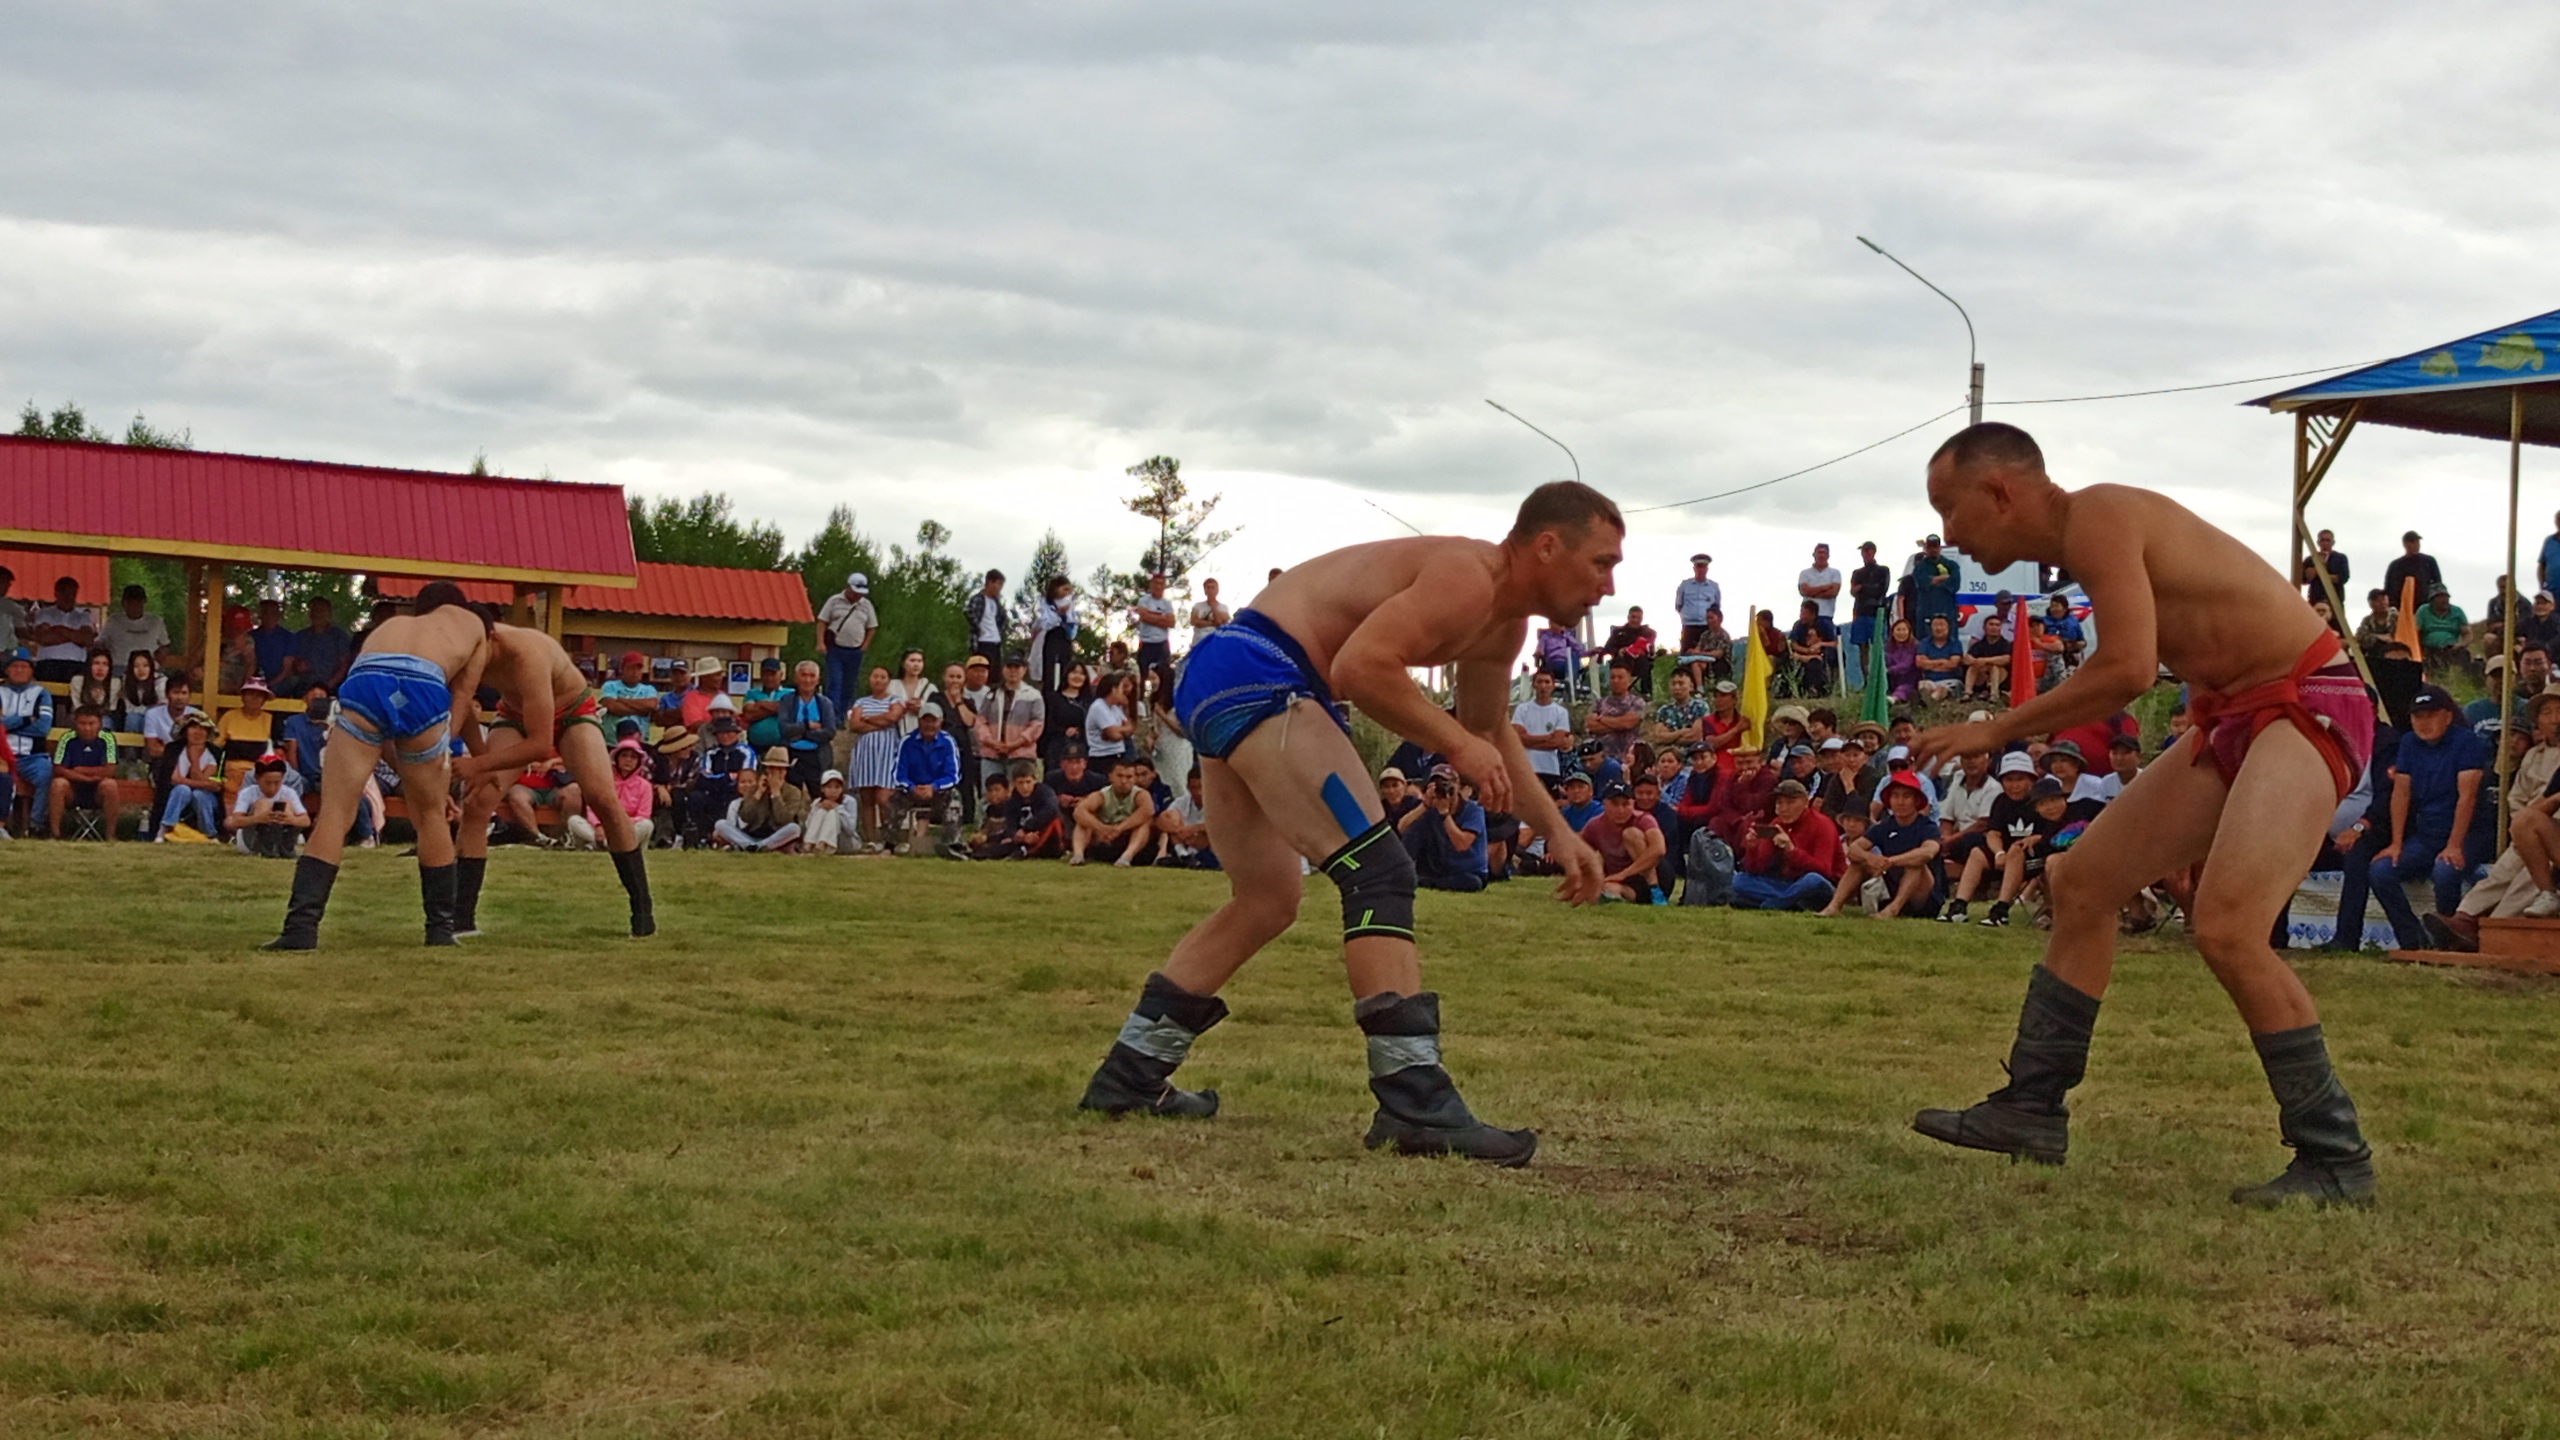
pixel 1419 1109
pixel 2025 1119
pixel 2331 1163
pixel 435 890
pixel 312 881
pixel 635 883
pixel 468 875
pixel 1138 1073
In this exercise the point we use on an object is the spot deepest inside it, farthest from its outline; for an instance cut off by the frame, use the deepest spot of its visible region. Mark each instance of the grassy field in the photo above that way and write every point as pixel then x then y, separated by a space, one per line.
pixel 805 1165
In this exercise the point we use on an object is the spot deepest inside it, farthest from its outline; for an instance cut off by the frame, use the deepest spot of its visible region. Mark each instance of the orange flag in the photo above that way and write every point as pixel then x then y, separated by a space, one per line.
pixel 2022 661
pixel 2407 633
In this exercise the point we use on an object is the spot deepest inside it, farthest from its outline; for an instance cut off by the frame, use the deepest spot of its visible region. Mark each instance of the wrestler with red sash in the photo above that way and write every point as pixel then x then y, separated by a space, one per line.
pixel 2282 728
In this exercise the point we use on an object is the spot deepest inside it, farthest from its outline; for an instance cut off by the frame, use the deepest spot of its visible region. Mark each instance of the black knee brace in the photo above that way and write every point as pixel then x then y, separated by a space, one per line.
pixel 1375 875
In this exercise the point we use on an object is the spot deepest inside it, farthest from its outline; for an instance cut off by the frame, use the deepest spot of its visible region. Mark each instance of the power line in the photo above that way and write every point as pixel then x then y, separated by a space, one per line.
pixel 2183 389
pixel 1793 474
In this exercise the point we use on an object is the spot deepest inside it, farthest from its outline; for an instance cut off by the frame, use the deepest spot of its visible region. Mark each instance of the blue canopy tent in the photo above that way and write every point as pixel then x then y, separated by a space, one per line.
pixel 2501 384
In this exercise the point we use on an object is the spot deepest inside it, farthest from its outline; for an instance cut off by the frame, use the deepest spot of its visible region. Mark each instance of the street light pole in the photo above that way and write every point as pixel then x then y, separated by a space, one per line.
pixel 1550 439
pixel 1973 391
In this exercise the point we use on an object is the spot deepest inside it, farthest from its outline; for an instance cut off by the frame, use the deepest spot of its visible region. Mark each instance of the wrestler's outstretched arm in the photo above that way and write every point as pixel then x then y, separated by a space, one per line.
pixel 1484 693
pixel 2108 564
pixel 466 699
pixel 532 743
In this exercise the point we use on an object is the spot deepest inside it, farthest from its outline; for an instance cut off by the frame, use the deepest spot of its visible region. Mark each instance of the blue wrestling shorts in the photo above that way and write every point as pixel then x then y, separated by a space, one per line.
pixel 1240 675
pixel 397 697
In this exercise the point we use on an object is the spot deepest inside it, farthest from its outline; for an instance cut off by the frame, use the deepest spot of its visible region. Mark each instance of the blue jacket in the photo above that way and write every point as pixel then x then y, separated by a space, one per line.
pixel 934 762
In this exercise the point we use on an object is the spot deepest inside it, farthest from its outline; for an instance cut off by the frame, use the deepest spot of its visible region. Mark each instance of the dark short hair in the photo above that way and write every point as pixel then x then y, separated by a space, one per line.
pixel 1825 714
pixel 1990 443
pixel 1123 761
pixel 437 594
pixel 1566 507
pixel 136 592
pixel 1020 768
pixel 94 712
pixel 996 575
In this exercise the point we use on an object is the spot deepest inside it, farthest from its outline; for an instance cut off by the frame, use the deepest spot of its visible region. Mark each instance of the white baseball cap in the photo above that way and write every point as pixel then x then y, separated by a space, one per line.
pixel 835 775
pixel 858 583
pixel 2017 762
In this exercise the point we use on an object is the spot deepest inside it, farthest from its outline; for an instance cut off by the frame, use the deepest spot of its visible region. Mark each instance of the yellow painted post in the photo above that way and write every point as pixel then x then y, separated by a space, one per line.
pixel 209 590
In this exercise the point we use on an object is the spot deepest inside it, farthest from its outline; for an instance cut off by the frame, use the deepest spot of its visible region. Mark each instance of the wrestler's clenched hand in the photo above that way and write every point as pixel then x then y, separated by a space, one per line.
pixel 1582 869
pixel 1934 747
pixel 1481 761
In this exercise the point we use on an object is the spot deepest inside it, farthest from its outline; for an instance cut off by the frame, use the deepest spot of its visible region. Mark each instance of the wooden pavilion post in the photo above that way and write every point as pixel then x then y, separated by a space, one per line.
pixel 2507 642
pixel 209 593
pixel 191 640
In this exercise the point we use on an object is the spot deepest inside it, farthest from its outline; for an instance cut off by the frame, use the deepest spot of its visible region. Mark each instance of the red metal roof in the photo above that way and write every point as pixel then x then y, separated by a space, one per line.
pixel 693 592
pixel 38 569
pixel 308 514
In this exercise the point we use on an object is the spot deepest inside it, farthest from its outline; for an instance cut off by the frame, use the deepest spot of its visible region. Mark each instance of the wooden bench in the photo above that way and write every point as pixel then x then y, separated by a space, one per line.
pixel 2525 947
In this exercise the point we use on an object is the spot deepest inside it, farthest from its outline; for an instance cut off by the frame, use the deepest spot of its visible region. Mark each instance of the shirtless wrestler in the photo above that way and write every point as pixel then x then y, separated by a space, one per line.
pixel 2282 730
pixel 543 709
pixel 1280 780
pixel 407 694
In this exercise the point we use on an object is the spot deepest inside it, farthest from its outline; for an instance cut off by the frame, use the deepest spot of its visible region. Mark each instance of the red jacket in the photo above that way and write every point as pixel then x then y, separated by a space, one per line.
pixel 1815 851
pixel 1739 801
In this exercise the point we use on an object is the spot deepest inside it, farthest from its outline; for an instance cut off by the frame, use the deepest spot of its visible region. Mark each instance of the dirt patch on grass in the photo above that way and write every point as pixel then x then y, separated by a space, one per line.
pixel 70 1247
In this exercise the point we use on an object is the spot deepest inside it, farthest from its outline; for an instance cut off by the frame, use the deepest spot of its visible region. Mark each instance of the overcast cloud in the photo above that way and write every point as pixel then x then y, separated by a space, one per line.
pixel 969 261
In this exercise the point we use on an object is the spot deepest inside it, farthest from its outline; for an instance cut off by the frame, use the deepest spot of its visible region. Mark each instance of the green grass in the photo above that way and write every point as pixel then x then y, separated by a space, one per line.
pixel 805 1165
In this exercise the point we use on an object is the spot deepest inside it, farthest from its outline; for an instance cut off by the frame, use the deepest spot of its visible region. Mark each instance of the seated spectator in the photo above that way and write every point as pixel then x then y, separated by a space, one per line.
pixel 2435 798
pixel 1075 778
pixel 676 768
pixel 84 772
pixel 1446 835
pixel 542 786
pixel 1185 828
pixel 2381 622
pixel 1618 715
pixel 994 811
pixel 1633 642
pixel 1986 669
pixel 1789 727
pixel 1842 782
pixel 195 781
pixel 1681 720
pixel 928 788
pixel 1576 801
pixel 632 787
pixel 1631 846
pixel 1559 653
pixel 1900 849
pixel 26 717
pixel 1940 660
pixel 139 691
pixel 1115 823
pixel 2442 627
pixel 770 812
pixel 2017 818
pixel 1813 643
pixel 267 818
pixel 160 724
pixel 1034 823
pixel 1152 781
pixel 1666 816
pixel 324 648
pixel 1591 759
pixel 832 827
pixel 2512 887
pixel 2067 633
pixel 244 735
pixel 270 643
pixel 2064 762
pixel 1708 655
pixel 2124 763
pixel 1798 764
pixel 1399 798
pixel 1790 860
pixel 760 708
pixel 95 685
pixel 629 692
pixel 1726 727
pixel 805 719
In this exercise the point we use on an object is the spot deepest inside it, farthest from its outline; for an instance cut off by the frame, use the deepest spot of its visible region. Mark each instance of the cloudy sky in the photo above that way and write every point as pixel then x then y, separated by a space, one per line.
pixel 968 262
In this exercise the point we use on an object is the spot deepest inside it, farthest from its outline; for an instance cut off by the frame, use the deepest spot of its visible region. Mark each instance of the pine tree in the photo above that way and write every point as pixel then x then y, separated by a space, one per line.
pixel 1048 559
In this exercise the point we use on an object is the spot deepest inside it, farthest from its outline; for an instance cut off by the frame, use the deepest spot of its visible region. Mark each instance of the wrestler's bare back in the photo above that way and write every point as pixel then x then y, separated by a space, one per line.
pixel 523 663
pixel 2224 620
pixel 1323 600
pixel 448 638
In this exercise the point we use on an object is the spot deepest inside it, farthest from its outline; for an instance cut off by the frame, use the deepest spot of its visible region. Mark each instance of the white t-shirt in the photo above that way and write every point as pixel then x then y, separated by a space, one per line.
pixel 1539 720
pixel 1155 619
pixel 991 624
pixel 1185 812
pixel 74 618
pixel 1819 577
pixel 1966 804
pixel 183 769
pixel 252 795
pixel 1099 714
pixel 2109 786
pixel 122 635
pixel 1208 615
pixel 848 621
pixel 158 724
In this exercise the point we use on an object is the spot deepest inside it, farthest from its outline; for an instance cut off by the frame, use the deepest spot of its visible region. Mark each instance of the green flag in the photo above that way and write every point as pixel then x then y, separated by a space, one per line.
pixel 1876 704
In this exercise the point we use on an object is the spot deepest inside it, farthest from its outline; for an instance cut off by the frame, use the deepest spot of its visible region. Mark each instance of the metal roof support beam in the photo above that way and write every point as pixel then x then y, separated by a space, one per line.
pixel 2507 642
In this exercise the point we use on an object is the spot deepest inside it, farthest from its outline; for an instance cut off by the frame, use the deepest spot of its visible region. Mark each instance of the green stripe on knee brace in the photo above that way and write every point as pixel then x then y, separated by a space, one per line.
pixel 1375 875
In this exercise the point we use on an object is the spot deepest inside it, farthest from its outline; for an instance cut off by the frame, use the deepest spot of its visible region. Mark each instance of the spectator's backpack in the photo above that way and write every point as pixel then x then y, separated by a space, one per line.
pixel 1710 870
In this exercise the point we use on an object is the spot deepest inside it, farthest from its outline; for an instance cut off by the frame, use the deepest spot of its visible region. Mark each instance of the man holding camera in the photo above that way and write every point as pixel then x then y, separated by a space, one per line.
pixel 1445 835
pixel 1789 860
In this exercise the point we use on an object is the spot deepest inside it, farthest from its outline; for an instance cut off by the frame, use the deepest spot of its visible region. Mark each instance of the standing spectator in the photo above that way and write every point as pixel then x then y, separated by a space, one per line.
pixel 1173 753
pixel 2412 564
pixel 929 786
pixel 1208 614
pixel 805 719
pixel 1901 662
pixel 1065 706
pixel 710 685
pixel 324 647
pixel 1986 671
pixel 1546 728
pixel 1900 849
pixel 984 615
pixel 762 712
pixel 1820 583
pixel 1630 843
pixel 1940 660
pixel 84 771
pixel 832 830
pixel 1814 645
pixel 267 818
pixel 1109 722
pixel 63 633
pixel 195 782
pixel 13 611
pixel 629 694
pixel 133 627
pixel 139 691
pixel 631 786
pixel 271 641
pixel 910 686
pixel 2435 793
pixel 1115 823
pixel 1681 720
pixel 1933 584
pixel 1616 716
pixel 1155 618
pixel 1053 631
pixel 1185 827
pixel 26 715
pixel 1698 596
pixel 1011 721
pixel 2325 556
pixel 1870 585
pixel 1633 643
pixel 873 721
pixel 1446 835
pixel 846 624
pixel 1789 861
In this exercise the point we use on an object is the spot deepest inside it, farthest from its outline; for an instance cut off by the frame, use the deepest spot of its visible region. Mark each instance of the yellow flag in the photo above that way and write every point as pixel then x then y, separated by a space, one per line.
pixel 1755 679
